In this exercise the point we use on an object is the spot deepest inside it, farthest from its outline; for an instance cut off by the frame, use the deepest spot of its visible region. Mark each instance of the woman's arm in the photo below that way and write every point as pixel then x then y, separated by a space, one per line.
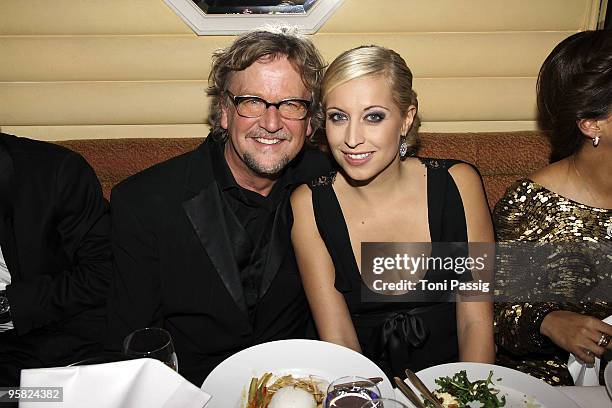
pixel 328 306
pixel 474 318
pixel 517 324
pixel 530 327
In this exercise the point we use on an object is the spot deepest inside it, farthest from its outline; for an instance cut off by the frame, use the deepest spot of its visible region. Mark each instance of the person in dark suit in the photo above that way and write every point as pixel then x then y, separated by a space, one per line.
pixel 202 242
pixel 55 259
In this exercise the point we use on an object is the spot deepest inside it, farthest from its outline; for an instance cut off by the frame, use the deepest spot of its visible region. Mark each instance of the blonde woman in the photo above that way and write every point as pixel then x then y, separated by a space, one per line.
pixel 380 195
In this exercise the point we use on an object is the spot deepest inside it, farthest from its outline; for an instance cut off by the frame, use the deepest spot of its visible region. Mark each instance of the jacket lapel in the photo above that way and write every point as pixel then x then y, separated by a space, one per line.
pixel 280 239
pixel 7 194
pixel 205 212
pixel 307 166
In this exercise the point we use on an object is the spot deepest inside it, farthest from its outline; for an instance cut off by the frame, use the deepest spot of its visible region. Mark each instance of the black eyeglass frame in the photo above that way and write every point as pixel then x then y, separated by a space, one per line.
pixel 237 99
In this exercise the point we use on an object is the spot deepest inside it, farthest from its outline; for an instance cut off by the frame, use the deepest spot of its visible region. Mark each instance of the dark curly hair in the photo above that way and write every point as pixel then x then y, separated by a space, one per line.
pixel 253 46
pixel 575 82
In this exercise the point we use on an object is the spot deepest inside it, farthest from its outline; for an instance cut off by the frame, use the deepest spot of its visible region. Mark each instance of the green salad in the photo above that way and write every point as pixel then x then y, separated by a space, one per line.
pixel 464 391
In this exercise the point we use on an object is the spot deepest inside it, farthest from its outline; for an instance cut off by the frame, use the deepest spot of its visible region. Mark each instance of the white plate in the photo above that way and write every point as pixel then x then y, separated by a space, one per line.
pixel 519 388
pixel 608 378
pixel 229 381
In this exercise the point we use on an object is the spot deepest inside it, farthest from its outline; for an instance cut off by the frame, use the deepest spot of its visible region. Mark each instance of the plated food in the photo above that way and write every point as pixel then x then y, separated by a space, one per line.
pixel 459 392
pixel 519 389
pixel 287 391
pixel 229 382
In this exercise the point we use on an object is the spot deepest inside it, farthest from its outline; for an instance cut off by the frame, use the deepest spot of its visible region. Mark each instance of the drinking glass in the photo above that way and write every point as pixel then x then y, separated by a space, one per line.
pixel 384 403
pixel 350 392
pixel 151 342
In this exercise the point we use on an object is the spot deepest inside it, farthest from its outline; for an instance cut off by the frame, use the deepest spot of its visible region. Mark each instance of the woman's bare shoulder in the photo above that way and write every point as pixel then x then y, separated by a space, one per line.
pixel 553 176
pixel 465 175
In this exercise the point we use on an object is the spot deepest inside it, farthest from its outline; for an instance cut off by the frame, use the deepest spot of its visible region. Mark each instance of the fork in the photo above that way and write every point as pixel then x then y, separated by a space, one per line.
pixel 407 391
pixel 416 381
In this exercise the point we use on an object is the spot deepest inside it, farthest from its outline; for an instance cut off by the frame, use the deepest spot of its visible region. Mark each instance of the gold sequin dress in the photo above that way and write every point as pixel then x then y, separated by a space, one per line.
pixel 530 212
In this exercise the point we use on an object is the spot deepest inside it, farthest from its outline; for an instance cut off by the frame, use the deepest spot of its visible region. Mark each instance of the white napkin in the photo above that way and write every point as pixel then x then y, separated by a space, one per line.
pixel 126 384
pixel 583 373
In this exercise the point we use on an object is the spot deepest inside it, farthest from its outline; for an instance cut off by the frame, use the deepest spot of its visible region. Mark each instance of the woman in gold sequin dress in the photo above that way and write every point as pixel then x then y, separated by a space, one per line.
pixel 569 201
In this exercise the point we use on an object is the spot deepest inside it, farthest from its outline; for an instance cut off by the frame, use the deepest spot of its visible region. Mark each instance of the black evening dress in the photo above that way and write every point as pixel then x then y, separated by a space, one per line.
pixel 396 335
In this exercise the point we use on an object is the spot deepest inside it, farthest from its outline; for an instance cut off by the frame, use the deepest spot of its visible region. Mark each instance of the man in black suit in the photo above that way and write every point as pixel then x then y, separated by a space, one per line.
pixel 202 241
pixel 55 259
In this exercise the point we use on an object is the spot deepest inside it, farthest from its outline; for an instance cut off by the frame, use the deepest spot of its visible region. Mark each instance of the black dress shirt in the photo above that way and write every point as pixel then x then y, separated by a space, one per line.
pixel 250 216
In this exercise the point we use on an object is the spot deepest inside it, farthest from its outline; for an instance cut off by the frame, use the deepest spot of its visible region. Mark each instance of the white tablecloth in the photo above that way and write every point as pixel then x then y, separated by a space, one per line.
pixel 589 397
pixel 140 383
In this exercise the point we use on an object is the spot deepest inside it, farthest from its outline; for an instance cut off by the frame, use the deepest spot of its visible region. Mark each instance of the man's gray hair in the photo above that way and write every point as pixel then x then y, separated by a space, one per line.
pixel 268 42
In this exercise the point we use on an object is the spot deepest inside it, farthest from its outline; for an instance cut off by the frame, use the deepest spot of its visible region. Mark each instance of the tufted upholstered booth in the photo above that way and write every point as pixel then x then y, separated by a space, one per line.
pixel 501 158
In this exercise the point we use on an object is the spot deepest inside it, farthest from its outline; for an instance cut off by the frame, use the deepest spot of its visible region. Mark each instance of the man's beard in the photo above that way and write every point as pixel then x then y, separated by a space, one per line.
pixel 269 169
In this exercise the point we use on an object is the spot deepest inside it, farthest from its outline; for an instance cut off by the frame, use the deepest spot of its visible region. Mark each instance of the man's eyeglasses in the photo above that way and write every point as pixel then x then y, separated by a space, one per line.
pixel 253 106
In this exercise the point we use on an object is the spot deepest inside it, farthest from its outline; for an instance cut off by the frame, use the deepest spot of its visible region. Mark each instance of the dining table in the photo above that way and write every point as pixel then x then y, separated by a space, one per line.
pixel 588 397
pixel 80 381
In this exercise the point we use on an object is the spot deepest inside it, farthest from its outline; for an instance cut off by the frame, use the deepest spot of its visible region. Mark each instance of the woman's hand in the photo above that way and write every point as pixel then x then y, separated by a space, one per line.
pixel 576 333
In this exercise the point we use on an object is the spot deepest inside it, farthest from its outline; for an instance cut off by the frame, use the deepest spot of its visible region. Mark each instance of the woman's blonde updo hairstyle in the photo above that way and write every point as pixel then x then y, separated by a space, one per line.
pixel 374 60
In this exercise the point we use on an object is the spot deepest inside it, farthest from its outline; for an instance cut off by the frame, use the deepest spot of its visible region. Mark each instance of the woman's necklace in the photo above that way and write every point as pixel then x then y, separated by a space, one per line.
pixel 585 181
pixel 588 189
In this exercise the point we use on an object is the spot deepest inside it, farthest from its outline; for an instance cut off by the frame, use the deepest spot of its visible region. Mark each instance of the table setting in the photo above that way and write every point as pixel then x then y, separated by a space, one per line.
pixel 303 358
pixel 135 383
pixel 144 375
pixel 296 373
pixel 518 389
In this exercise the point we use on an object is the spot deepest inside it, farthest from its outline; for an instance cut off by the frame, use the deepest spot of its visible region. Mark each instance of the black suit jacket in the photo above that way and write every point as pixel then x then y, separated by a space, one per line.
pixel 55 238
pixel 174 265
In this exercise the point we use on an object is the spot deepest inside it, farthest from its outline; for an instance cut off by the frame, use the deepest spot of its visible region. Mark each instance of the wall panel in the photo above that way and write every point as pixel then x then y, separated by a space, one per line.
pixel 497 99
pixel 445 55
pixel 175 102
pixel 128 58
pixel 88 17
pixel 112 17
pixel 114 67
pixel 460 16
pixel 109 58
pixel 78 132
pixel 99 103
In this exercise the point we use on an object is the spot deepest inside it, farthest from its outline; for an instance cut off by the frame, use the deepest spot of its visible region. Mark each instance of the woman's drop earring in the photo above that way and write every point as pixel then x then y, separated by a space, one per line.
pixel 403 149
pixel 596 141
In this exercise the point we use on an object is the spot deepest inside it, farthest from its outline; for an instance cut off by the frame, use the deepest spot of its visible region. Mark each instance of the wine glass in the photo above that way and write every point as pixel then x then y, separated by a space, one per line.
pixel 384 403
pixel 151 342
pixel 350 392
